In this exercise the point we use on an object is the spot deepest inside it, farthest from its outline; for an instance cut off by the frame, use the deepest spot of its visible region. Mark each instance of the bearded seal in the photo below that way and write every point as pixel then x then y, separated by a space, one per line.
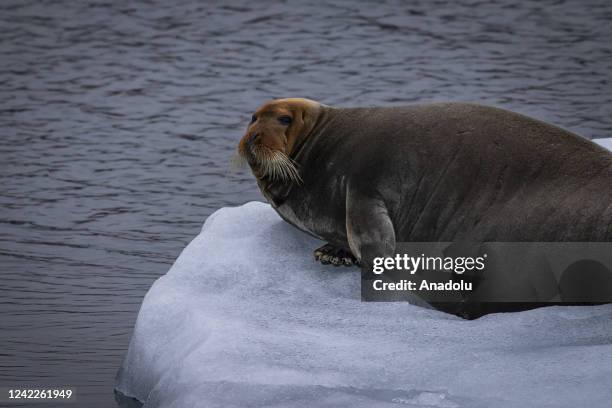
pixel 363 179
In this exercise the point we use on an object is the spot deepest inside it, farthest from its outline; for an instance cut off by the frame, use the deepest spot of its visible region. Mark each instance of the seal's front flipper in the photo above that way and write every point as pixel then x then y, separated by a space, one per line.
pixel 329 254
pixel 369 229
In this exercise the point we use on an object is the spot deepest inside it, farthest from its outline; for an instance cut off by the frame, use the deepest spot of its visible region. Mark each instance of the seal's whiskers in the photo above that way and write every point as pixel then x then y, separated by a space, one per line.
pixel 276 165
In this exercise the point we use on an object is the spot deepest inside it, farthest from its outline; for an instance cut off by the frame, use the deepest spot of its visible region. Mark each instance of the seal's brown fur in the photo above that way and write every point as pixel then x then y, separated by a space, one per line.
pixel 371 177
pixel 266 135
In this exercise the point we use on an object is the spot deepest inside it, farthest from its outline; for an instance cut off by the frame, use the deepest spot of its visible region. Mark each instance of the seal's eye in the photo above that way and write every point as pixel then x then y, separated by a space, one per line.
pixel 285 120
pixel 253 118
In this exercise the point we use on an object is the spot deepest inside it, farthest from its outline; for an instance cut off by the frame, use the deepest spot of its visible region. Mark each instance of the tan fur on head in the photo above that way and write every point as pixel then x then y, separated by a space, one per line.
pixel 277 127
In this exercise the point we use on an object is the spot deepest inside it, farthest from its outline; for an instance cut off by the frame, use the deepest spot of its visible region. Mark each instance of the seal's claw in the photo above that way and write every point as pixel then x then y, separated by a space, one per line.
pixel 329 254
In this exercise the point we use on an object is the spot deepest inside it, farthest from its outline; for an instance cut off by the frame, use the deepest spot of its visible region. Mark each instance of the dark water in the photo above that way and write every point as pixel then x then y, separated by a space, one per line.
pixel 117 122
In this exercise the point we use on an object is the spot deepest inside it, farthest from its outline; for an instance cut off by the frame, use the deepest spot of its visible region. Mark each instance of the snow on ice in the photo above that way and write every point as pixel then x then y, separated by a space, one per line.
pixel 245 317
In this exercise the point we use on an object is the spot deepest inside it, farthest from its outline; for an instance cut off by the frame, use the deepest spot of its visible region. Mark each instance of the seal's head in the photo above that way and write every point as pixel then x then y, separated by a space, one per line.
pixel 276 128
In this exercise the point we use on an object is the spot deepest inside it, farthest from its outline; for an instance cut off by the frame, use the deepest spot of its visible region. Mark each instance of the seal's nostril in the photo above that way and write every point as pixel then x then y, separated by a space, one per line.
pixel 252 137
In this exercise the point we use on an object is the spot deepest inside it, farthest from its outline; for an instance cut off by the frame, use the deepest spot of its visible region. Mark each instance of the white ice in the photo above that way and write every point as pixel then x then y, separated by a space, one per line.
pixel 246 318
pixel 607 143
